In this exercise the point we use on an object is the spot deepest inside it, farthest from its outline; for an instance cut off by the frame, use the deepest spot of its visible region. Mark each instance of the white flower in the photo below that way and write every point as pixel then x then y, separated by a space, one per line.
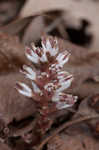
pixel 64 83
pixel 47 79
pixel 29 73
pixel 31 55
pixel 24 89
pixel 64 100
pixel 48 47
pixel 62 58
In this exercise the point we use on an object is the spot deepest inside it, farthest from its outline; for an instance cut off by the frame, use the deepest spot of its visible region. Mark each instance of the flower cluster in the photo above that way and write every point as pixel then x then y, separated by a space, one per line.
pixel 47 78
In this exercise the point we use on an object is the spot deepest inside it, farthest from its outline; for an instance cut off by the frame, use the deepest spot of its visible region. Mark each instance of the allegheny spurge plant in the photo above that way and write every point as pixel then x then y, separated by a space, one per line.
pixel 48 81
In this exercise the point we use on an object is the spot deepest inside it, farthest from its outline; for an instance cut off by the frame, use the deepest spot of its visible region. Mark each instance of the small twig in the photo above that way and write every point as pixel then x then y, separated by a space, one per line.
pixel 65 125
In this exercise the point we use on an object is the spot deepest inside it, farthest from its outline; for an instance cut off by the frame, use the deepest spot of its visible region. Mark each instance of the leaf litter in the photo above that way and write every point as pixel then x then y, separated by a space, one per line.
pixel 76 127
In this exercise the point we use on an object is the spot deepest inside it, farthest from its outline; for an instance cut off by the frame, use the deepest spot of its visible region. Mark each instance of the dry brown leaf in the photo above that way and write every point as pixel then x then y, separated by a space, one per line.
pixel 9 10
pixel 48 22
pixel 34 30
pixel 78 138
pixel 4 146
pixel 85 109
pixel 13 106
pixel 75 11
pixel 16 26
pixel 11 53
pixel 56 143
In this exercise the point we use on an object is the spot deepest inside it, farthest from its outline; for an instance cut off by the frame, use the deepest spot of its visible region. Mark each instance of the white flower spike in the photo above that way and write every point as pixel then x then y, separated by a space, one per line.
pixel 48 80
